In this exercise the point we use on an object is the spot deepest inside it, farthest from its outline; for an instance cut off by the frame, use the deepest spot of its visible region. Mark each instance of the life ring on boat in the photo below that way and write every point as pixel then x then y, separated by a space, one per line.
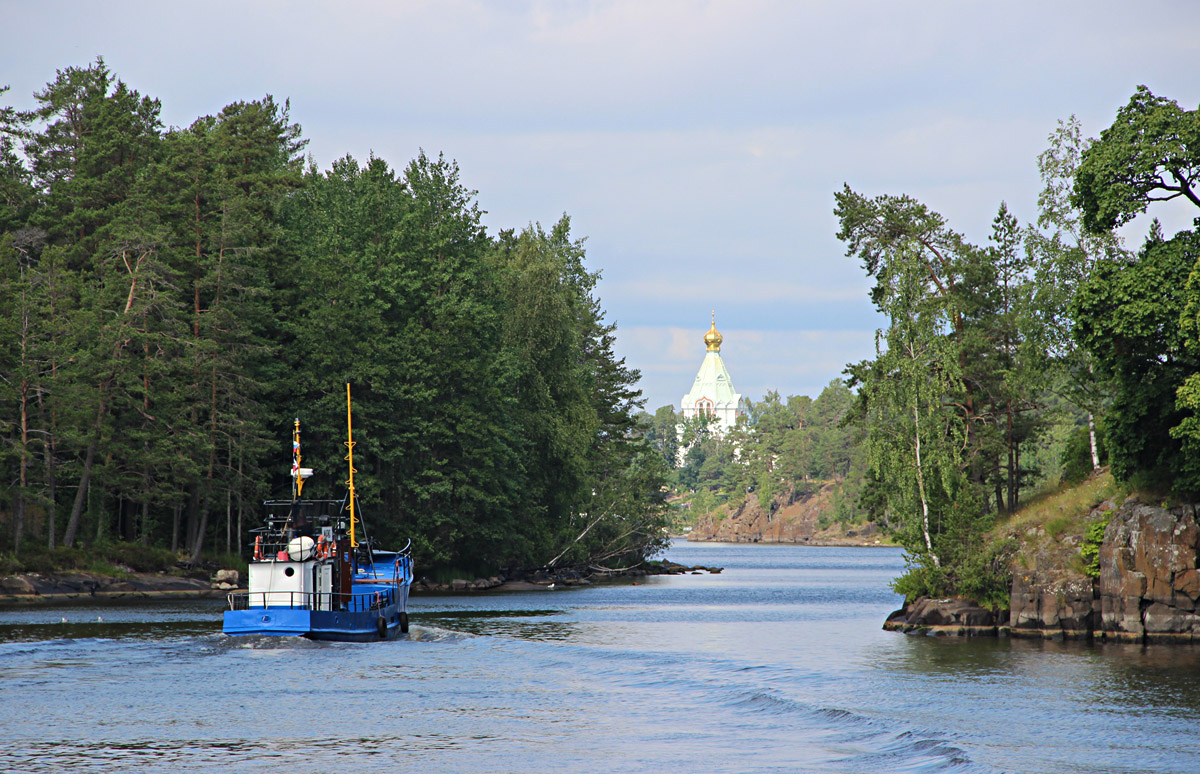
pixel 258 554
pixel 322 548
pixel 381 625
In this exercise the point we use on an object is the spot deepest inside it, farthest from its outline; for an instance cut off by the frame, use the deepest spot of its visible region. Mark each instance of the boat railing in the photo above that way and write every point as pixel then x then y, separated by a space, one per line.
pixel 268 546
pixel 355 602
pixel 399 571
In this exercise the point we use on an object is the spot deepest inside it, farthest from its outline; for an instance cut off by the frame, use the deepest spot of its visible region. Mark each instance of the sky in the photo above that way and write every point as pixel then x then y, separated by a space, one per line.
pixel 695 145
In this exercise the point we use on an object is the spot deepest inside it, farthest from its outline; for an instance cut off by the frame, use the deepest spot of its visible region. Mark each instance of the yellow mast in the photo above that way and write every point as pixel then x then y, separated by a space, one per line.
pixel 350 459
pixel 297 479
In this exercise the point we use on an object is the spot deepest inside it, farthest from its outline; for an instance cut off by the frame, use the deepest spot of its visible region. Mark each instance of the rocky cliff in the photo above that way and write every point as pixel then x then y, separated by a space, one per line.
pixel 1148 589
pixel 1149 585
pixel 792 517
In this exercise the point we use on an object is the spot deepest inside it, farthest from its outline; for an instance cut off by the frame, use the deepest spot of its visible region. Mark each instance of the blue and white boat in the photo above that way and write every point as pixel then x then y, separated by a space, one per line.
pixel 316 573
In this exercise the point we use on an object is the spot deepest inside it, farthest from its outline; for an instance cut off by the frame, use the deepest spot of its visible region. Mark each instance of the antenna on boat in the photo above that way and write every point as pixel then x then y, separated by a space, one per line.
pixel 298 473
pixel 350 459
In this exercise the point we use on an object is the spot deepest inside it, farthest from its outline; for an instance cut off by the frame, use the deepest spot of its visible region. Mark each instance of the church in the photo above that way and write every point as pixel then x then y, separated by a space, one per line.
pixel 713 392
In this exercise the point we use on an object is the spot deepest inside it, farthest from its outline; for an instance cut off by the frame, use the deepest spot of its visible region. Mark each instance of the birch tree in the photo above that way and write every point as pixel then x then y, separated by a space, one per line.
pixel 914 444
pixel 1064 255
pixel 917 406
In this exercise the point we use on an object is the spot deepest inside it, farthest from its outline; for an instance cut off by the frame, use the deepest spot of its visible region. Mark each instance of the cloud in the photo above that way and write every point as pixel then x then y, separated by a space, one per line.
pixel 696 143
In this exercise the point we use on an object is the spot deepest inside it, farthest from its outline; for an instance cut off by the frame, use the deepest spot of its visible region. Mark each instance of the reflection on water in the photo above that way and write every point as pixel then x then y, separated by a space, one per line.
pixel 100 629
pixel 503 623
pixel 777 664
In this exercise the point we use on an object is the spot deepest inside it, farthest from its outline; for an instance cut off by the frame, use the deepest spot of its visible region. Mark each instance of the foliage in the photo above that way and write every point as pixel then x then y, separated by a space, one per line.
pixel 781 446
pixel 1150 153
pixel 178 296
pixel 1127 315
pixel 1093 536
pixel 1137 316
pixel 661 430
pixel 1064 256
pixel 141 558
pixel 1077 456
pixel 920 580
pixel 1114 334
pixel 928 418
pixel 106 559
pixel 987 574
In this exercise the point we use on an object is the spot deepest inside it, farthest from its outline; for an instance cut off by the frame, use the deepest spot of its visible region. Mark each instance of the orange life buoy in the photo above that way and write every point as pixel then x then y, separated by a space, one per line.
pixel 258 554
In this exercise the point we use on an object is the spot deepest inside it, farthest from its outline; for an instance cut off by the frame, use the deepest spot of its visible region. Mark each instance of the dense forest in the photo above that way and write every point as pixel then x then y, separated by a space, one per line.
pixel 989 349
pixel 171 298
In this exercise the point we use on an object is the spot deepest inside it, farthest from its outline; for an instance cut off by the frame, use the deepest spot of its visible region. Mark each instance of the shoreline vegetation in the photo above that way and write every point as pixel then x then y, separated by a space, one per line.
pixel 1047 355
pixel 1090 562
pixel 93 588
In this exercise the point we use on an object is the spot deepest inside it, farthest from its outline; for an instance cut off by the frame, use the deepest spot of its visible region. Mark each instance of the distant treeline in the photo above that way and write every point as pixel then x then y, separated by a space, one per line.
pixel 781 446
pixel 171 298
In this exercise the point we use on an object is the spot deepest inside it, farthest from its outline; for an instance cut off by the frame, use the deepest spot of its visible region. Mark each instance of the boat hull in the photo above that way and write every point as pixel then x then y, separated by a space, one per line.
pixel 364 622
pixel 338 626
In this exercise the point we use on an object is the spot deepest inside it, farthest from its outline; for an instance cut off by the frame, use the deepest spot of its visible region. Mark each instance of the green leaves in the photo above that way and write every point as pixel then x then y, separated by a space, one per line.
pixel 1150 153
pixel 943 401
pixel 178 297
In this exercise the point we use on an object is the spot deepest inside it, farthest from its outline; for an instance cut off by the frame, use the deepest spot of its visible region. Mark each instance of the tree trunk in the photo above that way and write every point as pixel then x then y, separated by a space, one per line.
pixel 175 528
pixel 1092 429
pixel 212 461
pixel 19 504
pixel 52 492
pixel 19 520
pixel 240 502
pixel 129 521
pixel 144 526
pixel 193 514
pixel 921 485
pixel 23 476
pixel 101 513
pixel 1092 441
pixel 199 545
pixel 1013 471
pixel 1014 504
pixel 85 478
pixel 50 444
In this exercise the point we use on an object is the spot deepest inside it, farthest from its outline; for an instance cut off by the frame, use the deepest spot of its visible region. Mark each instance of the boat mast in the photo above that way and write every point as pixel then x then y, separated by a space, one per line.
pixel 350 459
pixel 297 476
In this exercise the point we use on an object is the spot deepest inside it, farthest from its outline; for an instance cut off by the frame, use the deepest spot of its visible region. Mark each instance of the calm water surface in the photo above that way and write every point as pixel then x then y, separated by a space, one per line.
pixel 776 665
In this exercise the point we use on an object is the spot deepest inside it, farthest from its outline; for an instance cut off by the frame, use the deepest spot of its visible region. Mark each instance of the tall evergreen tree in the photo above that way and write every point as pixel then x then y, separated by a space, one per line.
pixel 96 136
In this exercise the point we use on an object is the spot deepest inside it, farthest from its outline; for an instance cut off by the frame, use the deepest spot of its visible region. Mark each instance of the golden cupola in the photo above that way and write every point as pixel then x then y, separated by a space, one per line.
pixel 713 339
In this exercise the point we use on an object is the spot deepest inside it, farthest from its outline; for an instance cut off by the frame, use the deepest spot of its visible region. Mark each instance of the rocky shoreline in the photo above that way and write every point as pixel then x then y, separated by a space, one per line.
pixel 847 540
pixel 792 517
pixel 76 586
pixel 546 579
pixel 28 589
pixel 1148 589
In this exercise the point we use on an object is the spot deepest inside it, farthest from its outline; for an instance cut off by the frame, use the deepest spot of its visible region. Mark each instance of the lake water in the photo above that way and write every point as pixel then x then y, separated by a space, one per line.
pixel 778 664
